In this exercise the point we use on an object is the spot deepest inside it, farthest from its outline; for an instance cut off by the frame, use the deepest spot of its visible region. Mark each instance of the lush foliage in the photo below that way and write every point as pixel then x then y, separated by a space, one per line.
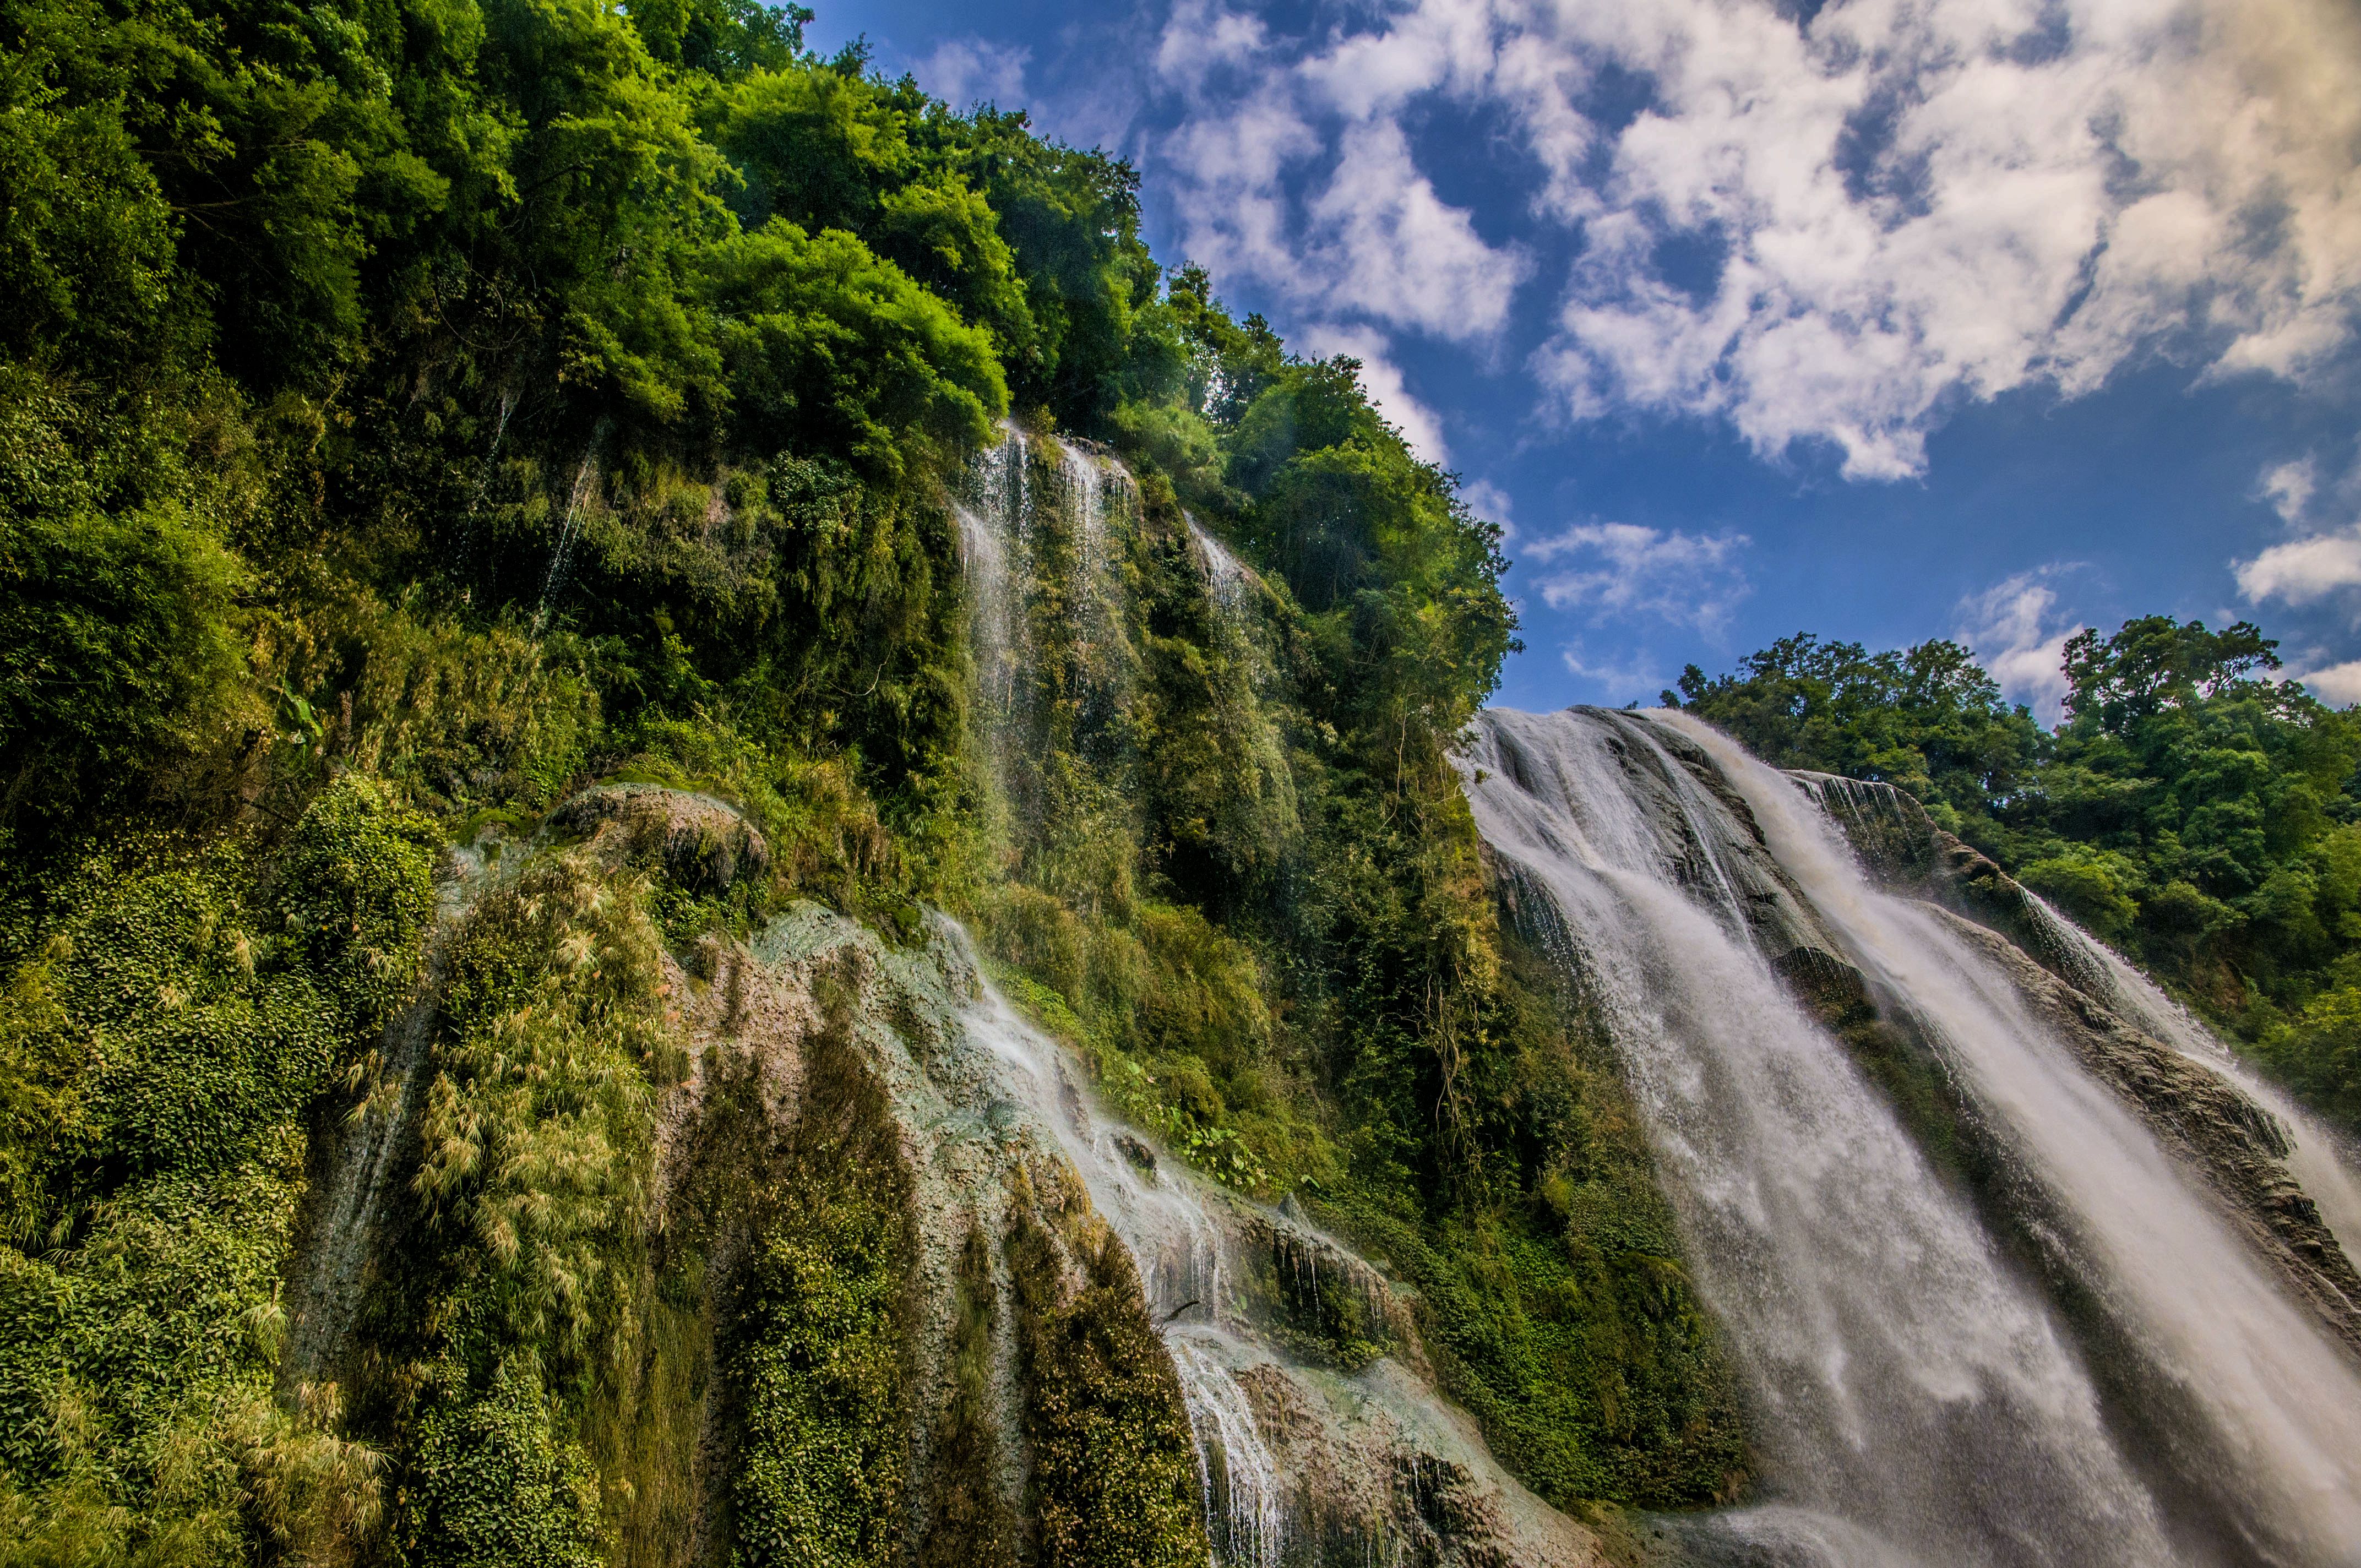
pixel 413 411
pixel 183 1006
pixel 2190 809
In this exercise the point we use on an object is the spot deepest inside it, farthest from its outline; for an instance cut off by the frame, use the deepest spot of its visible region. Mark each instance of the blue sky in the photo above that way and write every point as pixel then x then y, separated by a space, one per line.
pixel 1882 319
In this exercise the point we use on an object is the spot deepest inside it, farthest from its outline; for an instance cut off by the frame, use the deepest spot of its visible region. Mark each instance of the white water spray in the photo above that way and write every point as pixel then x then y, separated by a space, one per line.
pixel 1914 1400
pixel 2277 1406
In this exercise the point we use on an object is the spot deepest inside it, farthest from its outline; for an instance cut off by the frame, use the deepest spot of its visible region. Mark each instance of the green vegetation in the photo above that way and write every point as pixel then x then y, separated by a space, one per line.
pixel 2192 809
pixel 1115 1478
pixel 413 411
pixel 177 1011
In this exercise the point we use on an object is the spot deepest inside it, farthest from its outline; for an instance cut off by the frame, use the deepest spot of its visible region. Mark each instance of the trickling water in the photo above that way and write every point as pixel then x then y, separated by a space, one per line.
pixel 996 625
pixel 1178 1244
pixel 483 485
pixel 344 1234
pixel 2315 1157
pixel 562 557
pixel 1911 1395
pixel 2267 1410
pixel 1225 575
pixel 1242 1501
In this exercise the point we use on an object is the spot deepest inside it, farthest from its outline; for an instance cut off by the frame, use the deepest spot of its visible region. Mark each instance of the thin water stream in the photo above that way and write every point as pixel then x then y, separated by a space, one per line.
pixel 345 1230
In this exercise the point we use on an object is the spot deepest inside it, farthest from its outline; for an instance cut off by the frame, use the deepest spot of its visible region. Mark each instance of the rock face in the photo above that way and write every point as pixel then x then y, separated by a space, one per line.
pixel 2239 1145
pixel 1101 1358
pixel 701 842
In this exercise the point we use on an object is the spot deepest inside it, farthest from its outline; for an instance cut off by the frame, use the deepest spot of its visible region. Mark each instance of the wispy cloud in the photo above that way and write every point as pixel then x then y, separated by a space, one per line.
pixel 1621 569
pixel 966 72
pixel 1613 677
pixel 2019 636
pixel 1490 502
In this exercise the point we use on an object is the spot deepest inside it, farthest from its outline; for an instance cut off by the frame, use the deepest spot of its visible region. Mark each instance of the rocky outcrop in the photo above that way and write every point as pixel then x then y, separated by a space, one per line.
pixel 704 844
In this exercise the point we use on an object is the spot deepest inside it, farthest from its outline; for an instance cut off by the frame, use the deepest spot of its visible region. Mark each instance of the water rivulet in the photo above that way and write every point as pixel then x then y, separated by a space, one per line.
pixel 1991 1306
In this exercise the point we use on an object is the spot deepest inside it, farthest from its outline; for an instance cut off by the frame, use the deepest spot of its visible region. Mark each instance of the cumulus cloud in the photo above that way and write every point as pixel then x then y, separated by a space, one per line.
pixel 2339 685
pixel 2326 557
pixel 962 71
pixel 1827 224
pixel 1390 247
pixel 2020 637
pixel 1286 174
pixel 1382 379
pixel 1620 568
pixel 2304 571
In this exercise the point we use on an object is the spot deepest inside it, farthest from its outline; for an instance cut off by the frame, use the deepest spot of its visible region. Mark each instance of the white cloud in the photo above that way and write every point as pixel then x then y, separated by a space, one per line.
pixel 2326 557
pixel 2339 685
pixel 1202 37
pixel 1382 379
pixel 2303 571
pixel 2020 639
pixel 966 72
pixel 1619 568
pixel 2289 487
pixel 1888 208
pixel 1635 674
pixel 1388 245
pixel 1370 238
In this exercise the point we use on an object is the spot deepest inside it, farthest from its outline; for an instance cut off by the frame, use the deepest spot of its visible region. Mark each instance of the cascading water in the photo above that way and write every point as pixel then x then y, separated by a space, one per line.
pixel 2315 1157
pixel 1225 576
pixel 2265 1412
pixel 1915 1401
pixel 1006 523
pixel 1178 1242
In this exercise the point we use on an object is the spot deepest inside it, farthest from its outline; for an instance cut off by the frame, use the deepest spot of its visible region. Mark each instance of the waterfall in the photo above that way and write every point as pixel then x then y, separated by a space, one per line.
pixel 2315 1158
pixel 1916 1401
pixel 1045 528
pixel 2271 1410
pixel 1170 1226
pixel 1226 577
